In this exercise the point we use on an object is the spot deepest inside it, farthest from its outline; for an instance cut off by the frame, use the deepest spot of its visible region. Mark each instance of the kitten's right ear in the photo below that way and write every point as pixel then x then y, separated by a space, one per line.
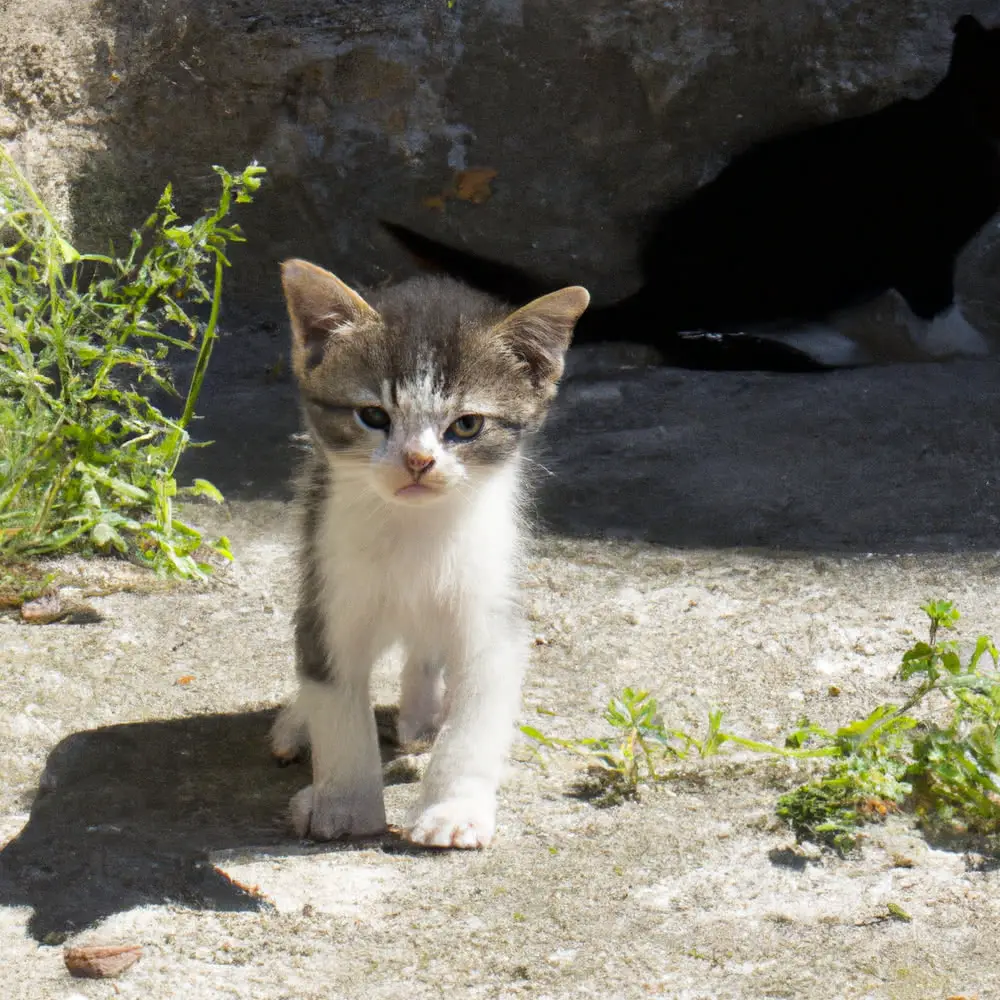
pixel 320 306
pixel 539 333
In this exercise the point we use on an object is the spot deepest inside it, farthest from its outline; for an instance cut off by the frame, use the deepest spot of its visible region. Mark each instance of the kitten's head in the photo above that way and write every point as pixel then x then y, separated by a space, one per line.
pixel 430 387
pixel 975 70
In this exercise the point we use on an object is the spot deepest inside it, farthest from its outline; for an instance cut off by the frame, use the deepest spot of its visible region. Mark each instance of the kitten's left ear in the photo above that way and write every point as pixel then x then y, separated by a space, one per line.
pixel 320 307
pixel 539 333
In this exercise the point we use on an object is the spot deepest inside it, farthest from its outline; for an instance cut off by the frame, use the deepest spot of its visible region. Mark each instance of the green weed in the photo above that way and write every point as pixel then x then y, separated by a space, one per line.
pixel 620 763
pixel 641 746
pixel 87 461
pixel 941 762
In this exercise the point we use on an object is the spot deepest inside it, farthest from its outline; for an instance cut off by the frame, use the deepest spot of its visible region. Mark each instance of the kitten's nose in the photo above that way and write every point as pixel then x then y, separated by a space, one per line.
pixel 418 462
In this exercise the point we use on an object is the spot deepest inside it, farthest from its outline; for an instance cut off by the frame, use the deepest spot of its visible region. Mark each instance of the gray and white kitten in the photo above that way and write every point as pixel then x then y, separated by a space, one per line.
pixel 418 405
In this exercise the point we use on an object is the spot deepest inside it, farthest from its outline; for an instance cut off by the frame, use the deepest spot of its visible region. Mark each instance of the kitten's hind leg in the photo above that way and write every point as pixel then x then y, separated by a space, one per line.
pixel 290 733
pixel 457 806
pixel 421 700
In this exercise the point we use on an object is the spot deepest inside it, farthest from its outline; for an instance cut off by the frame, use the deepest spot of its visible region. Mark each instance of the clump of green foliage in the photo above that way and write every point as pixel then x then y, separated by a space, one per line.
pixel 641 746
pixel 941 762
pixel 87 461
pixel 620 763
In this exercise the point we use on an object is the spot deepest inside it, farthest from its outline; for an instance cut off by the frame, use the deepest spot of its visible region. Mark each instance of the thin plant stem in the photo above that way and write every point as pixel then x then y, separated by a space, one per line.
pixel 205 351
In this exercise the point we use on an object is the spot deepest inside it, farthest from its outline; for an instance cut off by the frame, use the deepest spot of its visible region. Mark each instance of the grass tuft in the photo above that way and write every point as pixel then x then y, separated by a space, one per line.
pixel 87 461
pixel 936 755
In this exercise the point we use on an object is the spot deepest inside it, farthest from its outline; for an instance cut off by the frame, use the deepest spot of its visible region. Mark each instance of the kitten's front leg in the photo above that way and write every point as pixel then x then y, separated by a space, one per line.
pixel 457 805
pixel 345 798
pixel 333 709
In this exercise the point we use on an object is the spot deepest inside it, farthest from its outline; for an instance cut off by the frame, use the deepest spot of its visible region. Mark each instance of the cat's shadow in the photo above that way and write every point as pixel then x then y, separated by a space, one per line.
pixel 129 815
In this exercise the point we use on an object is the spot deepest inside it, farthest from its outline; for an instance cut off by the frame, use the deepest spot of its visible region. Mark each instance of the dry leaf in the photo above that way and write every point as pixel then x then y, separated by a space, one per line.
pixel 250 890
pixel 474 184
pixel 468 185
pixel 101 961
pixel 186 679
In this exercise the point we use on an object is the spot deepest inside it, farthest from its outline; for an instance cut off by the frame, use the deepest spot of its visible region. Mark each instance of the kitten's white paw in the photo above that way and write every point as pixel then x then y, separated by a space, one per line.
pixel 289 734
pixel 466 823
pixel 324 815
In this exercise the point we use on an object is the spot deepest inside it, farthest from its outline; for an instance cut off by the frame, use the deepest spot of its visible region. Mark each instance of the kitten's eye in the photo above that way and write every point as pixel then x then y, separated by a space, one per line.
pixel 465 428
pixel 373 417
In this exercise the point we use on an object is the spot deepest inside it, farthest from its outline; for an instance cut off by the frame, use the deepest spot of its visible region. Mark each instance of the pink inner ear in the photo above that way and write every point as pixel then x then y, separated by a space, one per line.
pixel 540 332
pixel 313 340
pixel 540 343
pixel 320 304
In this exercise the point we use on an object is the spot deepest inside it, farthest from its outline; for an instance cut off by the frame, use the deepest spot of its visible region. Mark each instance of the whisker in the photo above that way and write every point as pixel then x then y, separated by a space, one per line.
pixel 544 468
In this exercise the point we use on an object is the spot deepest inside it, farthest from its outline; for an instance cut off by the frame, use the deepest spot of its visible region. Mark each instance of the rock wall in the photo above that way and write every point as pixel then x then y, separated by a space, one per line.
pixel 589 111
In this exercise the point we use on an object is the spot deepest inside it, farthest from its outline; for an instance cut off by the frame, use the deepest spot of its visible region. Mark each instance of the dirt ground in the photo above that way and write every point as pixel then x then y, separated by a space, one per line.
pixel 745 541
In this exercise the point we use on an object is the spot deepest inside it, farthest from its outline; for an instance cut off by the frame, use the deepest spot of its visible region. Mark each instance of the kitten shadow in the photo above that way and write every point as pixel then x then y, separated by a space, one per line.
pixel 129 815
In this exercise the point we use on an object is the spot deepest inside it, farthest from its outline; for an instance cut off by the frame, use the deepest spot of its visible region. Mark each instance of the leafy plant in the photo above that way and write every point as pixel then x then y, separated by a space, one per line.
pixel 87 461
pixel 641 746
pixel 866 781
pixel 620 762
pixel 944 766
pixel 942 763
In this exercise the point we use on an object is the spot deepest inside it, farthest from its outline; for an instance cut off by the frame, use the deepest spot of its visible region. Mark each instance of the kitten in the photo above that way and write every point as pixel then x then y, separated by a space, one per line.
pixel 419 404
pixel 803 226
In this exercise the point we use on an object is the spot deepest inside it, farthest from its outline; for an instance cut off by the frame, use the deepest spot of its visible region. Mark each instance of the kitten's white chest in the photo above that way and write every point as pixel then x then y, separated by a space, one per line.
pixel 406 573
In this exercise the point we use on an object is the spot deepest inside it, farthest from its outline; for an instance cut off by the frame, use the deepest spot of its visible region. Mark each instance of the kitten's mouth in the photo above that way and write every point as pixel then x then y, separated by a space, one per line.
pixel 415 490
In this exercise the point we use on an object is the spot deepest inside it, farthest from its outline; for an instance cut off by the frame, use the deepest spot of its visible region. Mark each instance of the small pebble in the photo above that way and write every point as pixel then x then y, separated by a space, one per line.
pixel 43 610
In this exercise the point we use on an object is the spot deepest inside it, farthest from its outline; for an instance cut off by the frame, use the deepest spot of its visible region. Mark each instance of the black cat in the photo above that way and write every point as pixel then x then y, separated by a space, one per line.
pixel 803 225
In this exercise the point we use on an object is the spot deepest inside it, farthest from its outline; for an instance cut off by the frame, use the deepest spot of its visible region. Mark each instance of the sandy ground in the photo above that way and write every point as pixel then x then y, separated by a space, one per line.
pixel 745 541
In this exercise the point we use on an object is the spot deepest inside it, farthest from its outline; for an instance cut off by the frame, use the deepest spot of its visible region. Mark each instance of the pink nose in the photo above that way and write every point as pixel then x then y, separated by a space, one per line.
pixel 418 462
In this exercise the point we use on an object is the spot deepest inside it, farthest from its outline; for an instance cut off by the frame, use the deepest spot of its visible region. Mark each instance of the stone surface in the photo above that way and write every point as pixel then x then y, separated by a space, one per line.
pixel 590 111
pixel 137 808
